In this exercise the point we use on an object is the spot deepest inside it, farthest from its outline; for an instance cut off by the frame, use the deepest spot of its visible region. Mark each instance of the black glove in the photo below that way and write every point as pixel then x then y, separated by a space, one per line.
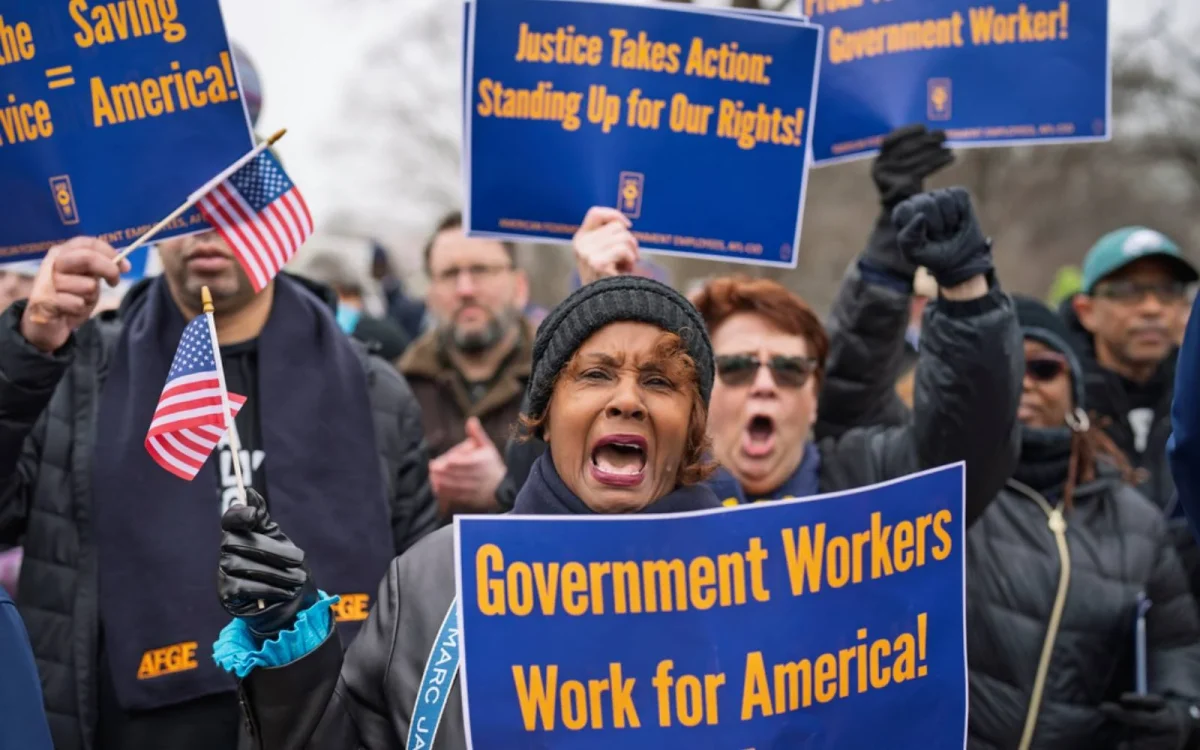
pixel 1150 722
pixel 939 230
pixel 908 155
pixel 883 252
pixel 260 565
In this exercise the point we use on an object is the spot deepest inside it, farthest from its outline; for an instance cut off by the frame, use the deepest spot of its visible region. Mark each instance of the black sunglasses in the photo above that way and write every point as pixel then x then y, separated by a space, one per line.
pixel 788 372
pixel 1045 368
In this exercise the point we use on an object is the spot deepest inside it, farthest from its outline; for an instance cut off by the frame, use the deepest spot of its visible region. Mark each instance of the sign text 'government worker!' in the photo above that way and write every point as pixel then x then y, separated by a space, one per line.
pixel 998 72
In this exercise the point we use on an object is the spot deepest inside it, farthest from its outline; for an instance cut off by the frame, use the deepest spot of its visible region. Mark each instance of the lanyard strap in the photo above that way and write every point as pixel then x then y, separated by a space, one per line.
pixel 440 670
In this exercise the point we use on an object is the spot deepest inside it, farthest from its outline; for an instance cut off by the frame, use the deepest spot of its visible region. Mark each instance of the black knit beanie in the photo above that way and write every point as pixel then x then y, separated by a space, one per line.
pixel 612 300
pixel 1042 324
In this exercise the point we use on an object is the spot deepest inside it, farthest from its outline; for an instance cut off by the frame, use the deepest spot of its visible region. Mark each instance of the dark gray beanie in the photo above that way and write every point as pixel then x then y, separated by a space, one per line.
pixel 612 300
pixel 1040 323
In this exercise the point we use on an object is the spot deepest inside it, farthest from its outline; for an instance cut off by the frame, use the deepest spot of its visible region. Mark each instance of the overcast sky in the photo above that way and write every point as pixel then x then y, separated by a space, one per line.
pixel 305 50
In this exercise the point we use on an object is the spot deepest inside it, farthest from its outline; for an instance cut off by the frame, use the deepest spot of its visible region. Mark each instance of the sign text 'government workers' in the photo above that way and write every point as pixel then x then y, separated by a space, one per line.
pixel 835 622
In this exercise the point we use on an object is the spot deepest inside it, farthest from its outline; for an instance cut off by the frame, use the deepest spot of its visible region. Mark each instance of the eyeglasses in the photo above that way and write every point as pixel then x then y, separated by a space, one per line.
pixel 1045 368
pixel 1129 292
pixel 741 369
pixel 478 271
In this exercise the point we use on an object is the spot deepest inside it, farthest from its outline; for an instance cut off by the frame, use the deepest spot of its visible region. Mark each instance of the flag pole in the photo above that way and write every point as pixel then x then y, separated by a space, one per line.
pixel 235 444
pixel 195 197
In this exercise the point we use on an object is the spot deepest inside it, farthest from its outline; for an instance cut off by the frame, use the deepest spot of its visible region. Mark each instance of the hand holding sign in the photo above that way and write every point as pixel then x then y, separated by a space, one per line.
pixel 604 246
pixel 686 621
pixel 66 290
pixel 907 157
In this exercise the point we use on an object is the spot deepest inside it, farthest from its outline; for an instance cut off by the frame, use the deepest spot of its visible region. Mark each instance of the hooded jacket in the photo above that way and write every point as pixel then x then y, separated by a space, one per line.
pixel 48 415
pixel 1028 558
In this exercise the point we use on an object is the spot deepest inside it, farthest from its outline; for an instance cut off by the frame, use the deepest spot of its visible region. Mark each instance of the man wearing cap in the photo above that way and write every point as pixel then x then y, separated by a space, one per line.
pixel 1134 292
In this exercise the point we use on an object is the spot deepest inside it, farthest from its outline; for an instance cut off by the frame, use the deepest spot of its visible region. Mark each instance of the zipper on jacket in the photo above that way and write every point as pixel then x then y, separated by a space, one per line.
pixel 1058 526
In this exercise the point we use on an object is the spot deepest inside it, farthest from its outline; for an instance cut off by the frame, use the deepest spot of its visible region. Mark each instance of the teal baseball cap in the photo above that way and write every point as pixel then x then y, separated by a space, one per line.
pixel 1117 249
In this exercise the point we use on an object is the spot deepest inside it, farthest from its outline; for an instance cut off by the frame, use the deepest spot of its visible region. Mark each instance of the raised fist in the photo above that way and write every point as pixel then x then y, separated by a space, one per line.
pixel 939 230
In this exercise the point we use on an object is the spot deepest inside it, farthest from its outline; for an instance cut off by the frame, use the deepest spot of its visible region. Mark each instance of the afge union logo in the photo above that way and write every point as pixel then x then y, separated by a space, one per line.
pixel 351 608
pixel 941 95
pixel 178 657
pixel 630 187
pixel 64 199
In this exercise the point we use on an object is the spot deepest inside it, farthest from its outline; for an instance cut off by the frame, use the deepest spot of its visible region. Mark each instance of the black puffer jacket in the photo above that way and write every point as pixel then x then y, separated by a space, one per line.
pixel 1027 557
pixel 1117 544
pixel 48 409
pixel 967 385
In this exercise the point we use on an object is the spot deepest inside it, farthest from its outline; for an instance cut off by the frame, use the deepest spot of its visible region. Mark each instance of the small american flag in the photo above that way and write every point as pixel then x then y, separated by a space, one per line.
pixel 189 419
pixel 262 216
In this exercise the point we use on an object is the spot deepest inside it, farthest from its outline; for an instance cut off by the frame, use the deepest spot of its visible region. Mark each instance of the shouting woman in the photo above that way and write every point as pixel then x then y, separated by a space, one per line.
pixel 623 372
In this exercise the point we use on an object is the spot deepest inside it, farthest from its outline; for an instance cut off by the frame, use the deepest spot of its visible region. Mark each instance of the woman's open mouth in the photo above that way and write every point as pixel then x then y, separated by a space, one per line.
pixel 619 460
pixel 758 440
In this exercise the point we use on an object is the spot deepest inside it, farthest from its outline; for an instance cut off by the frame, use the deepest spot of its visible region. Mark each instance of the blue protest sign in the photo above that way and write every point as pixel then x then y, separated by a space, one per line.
pixel 112 114
pixel 774 625
pixel 139 263
pixel 1002 73
pixel 695 125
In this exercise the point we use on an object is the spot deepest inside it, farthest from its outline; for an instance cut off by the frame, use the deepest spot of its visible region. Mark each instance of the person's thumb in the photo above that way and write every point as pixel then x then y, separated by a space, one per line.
pixel 255 500
pixel 598 216
pixel 240 518
pixel 476 432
